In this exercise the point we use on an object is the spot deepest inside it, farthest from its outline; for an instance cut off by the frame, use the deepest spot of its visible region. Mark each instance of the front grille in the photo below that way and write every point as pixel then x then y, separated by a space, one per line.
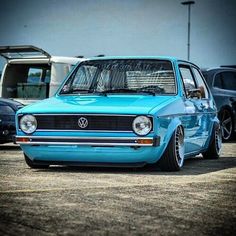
pixel 95 122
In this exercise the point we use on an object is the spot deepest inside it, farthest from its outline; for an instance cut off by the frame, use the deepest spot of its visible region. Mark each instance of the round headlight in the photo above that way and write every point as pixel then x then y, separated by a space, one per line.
pixel 28 124
pixel 142 125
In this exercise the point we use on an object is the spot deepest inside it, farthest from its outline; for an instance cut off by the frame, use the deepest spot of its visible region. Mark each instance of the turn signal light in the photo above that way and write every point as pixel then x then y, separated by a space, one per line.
pixel 22 140
pixel 145 141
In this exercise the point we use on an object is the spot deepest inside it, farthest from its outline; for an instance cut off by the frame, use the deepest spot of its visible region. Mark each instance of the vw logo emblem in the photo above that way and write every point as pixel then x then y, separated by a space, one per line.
pixel 82 122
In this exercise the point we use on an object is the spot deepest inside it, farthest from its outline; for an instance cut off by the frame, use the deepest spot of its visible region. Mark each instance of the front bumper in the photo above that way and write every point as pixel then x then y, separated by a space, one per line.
pixel 89 141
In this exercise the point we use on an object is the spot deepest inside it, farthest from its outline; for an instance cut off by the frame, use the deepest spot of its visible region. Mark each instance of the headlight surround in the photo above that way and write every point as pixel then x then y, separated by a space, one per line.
pixel 142 125
pixel 28 124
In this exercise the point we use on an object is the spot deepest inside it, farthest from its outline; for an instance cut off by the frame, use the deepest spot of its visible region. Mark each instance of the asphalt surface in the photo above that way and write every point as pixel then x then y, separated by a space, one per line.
pixel 199 200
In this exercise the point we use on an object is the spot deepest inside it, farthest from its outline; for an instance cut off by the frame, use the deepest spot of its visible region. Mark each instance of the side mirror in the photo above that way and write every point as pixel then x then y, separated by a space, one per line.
pixel 194 93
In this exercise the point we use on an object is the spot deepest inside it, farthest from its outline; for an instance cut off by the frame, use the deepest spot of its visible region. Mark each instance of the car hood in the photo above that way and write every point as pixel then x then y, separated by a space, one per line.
pixel 110 104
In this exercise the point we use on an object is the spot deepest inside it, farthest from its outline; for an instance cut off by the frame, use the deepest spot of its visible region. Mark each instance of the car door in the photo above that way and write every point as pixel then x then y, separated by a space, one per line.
pixel 205 106
pixel 196 106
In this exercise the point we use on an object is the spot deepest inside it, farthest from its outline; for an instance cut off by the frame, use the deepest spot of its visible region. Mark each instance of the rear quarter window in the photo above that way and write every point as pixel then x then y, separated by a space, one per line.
pixel 225 80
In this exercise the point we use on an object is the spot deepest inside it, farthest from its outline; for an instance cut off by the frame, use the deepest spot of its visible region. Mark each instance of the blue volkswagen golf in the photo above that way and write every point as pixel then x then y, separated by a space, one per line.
pixel 123 111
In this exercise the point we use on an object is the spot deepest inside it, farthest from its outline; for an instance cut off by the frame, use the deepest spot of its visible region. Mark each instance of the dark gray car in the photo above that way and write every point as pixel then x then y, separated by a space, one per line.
pixel 222 82
pixel 8 108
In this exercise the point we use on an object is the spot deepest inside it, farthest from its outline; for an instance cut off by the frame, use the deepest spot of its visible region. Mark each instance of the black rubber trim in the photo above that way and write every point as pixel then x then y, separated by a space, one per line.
pixel 156 141
pixel 90 164
pixel 35 139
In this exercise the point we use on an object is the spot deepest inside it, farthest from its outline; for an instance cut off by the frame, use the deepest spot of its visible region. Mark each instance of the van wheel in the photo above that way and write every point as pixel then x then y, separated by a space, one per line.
pixel 173 157
pixel 214 148
pixel 31 164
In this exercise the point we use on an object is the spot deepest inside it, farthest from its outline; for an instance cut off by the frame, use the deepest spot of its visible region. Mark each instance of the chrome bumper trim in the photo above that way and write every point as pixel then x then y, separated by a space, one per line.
pixel 88 141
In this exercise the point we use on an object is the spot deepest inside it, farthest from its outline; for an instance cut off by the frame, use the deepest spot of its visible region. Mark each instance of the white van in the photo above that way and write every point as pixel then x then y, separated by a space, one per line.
pixel 31 74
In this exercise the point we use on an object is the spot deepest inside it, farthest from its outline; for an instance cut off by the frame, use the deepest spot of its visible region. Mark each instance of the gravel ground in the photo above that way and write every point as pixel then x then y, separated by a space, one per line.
pixel 199 200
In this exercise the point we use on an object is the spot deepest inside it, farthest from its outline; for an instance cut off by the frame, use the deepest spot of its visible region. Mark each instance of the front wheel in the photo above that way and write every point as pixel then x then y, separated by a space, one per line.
pixel 214 148
pixel 31 164
pixel 173 157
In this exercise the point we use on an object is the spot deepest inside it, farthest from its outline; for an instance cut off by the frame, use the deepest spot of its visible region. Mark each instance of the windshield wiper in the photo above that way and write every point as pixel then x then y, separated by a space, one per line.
pixel 76 90
pixel 119 90
pixel 146 91
pixel 152 89
pixel 124 90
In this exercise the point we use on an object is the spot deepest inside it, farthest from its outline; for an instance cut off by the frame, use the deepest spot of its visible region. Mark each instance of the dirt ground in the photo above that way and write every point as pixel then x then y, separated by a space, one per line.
pixel 199 200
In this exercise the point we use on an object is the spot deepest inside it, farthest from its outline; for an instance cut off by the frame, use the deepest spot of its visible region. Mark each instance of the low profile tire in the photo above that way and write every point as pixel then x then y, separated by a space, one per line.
pixel 173 157
pixel 213 151
pixel 226 121
pixel 31 164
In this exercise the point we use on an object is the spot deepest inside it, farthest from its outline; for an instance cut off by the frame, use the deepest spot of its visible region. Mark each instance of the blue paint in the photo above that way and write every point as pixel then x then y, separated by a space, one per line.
pixel 168 112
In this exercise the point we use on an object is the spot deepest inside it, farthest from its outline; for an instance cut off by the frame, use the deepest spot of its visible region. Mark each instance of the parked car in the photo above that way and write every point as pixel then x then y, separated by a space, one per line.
pixel 8 108
pixel 123 111
pixel 229 66
pixel 31 74
pixel 222 82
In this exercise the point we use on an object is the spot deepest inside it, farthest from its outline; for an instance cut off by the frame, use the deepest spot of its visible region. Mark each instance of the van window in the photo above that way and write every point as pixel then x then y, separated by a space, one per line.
pixel 37 75
pixel 26 81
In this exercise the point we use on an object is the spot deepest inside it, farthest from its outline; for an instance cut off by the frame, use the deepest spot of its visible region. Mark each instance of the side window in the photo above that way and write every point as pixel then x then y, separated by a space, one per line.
pixel 34 75
pixel 200 83
pixel 188 79
pixel 218 81
pixel 229 80
pixel 38 75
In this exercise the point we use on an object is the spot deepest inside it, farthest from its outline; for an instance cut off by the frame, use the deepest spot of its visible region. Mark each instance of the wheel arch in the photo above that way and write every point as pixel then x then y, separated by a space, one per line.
pixel 215 123
pixel 175 122
pixel 172 158
pixel 215 140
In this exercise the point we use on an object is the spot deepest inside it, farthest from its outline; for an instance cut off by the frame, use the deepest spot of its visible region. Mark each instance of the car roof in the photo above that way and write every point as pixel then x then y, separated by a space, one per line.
pixel 169 58
pixel 218 69
pixel 133 57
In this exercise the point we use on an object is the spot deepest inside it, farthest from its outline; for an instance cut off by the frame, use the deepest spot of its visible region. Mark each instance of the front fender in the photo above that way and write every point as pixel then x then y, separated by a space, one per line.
pixel 166 129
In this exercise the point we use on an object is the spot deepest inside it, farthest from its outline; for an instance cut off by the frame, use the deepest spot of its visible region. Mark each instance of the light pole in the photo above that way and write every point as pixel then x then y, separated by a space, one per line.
pixel 188 3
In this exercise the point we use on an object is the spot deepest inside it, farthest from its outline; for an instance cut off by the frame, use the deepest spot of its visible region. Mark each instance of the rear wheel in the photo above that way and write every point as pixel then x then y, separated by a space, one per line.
pixel 173 157
pixel 226 121
pixel 31 164
pixel 213 151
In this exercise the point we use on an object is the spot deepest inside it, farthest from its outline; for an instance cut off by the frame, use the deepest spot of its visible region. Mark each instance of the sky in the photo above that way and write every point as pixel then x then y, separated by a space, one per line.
pixel 123 27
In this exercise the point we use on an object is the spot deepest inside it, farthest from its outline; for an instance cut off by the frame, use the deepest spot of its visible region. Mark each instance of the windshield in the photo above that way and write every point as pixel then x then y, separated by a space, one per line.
pixel 122 76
